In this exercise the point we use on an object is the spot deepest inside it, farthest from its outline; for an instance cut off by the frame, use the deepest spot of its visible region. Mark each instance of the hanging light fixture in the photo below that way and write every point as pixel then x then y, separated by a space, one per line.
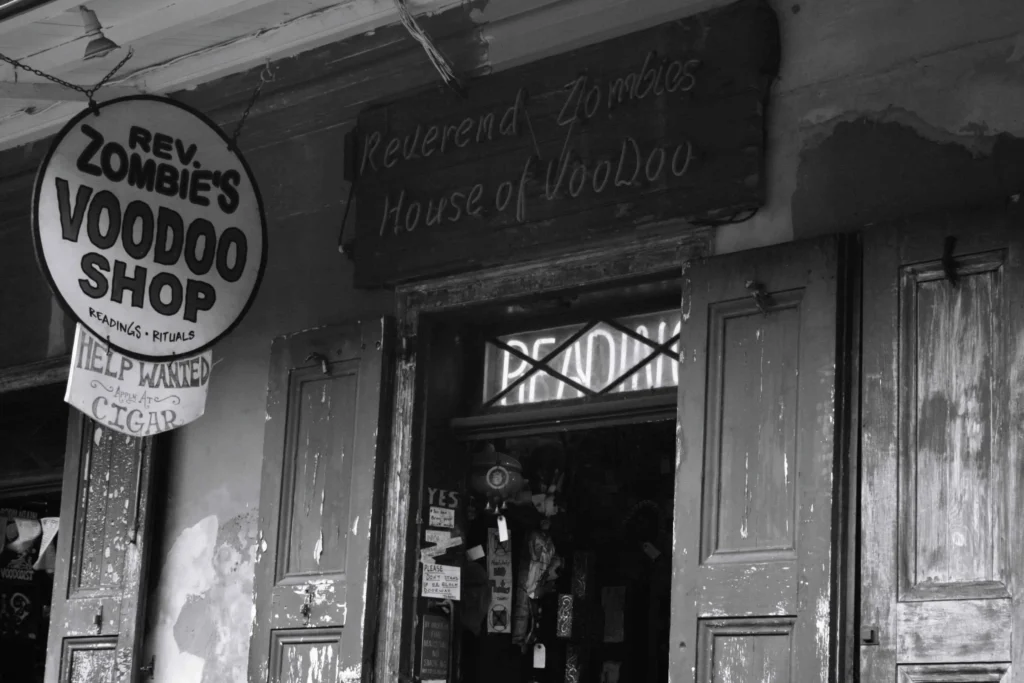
pixel 99 45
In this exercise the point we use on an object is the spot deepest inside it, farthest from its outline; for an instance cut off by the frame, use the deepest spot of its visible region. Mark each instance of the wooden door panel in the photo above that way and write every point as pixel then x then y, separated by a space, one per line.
pixel 102 556
pixel 941 441
pixel 955 673
pixel 751 492
pixel 748 589
pixel 88 660
pixel 315 494
pixel 953 630
pixel 322 445
pixel 302 655
pixel 738 650
pixel 754 480
pixel 952 495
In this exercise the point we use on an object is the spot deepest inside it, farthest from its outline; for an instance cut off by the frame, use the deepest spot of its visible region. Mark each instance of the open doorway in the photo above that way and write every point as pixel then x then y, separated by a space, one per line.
pixel 590 559
pixel 33 429
pixel 544 547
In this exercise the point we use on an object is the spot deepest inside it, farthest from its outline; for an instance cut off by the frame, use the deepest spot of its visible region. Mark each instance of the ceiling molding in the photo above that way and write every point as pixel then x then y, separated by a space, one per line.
pixel 45 11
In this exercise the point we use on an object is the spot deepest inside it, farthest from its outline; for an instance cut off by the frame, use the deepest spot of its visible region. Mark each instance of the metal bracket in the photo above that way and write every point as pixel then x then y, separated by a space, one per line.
pixel 761 298
pixel 869 635
pixel 147 670
pixel 407 347
pixel 307 605
pixel 322 359
pixel 948 262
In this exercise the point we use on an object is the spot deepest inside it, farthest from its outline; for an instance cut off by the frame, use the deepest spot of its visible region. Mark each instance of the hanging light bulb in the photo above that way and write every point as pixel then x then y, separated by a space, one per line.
pixel 99 45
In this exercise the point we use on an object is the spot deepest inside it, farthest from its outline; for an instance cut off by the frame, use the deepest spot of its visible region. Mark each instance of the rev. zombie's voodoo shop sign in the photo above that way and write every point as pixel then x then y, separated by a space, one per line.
pixel 149 227
pixel 136 397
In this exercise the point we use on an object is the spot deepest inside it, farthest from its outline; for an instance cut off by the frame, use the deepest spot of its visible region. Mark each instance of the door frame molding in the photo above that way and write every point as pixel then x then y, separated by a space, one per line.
pixel 663 250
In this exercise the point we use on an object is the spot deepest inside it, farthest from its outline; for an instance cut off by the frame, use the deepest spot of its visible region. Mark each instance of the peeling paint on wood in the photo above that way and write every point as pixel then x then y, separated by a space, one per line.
pixel 751 543
pixel 320 455
pixel 100 577
pixel 942 446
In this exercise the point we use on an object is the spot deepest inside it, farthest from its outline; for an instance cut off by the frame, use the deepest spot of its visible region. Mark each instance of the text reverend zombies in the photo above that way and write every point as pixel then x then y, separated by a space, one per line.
pixel 143 232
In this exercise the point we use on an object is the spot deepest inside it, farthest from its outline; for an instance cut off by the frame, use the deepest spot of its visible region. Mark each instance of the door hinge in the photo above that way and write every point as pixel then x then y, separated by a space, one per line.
pixel 146 670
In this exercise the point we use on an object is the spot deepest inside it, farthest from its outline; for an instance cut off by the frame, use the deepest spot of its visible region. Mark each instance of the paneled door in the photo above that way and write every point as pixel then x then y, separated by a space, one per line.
pixel 103 548
pixel 943 428
pixel 752 559
pixel 324 444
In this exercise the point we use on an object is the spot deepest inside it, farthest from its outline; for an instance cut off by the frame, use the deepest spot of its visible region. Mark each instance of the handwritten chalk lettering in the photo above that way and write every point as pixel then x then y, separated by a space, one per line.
pixel 403 215
pixel 633 163
pixel 142 233
pixel 439 138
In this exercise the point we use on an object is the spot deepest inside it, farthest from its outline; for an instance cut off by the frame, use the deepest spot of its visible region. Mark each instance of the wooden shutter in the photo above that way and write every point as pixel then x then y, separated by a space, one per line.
pixel 752 561
pixel 324 450
pixel 99 589
pixel 943 428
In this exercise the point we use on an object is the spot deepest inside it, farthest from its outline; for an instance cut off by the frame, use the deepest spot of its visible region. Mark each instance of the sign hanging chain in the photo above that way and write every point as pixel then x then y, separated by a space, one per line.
pixel 266 76
pixel 435 56
pixel 88 92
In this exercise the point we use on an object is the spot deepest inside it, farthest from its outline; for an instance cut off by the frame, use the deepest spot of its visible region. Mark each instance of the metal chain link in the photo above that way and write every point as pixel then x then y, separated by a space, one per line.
pixel 88 92
pixel 266 76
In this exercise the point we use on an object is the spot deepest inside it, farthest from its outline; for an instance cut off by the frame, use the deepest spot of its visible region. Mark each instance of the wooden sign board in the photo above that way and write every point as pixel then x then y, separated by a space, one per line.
pixel 544 158
pixel 434 653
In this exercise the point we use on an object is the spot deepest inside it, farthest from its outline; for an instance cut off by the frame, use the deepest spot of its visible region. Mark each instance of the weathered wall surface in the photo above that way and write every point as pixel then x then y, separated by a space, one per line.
pixel 883 108
pixel 201 606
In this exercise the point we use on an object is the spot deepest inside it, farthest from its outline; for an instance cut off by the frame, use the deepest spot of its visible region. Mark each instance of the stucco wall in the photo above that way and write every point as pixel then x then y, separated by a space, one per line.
pixel 201 604
pixel 883 108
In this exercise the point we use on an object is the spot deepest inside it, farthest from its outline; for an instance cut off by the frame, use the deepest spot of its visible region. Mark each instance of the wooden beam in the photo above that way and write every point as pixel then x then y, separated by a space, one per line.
pixel 52 92
pixel 40 373
pixel 47 10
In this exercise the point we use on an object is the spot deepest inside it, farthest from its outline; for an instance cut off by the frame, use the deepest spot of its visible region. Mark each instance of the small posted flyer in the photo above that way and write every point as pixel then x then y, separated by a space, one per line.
pixel 441 581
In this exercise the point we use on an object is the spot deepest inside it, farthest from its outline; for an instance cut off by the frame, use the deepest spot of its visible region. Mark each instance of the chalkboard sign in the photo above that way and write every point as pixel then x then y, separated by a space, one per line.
pixel 434 653
pixel 540 159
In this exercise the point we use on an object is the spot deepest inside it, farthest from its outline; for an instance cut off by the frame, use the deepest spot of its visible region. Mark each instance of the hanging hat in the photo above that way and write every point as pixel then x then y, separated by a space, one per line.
pixel 22 533
pixel 48 548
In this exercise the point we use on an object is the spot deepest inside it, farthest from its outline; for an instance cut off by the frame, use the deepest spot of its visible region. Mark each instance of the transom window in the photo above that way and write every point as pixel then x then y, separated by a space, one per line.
pixel 595 358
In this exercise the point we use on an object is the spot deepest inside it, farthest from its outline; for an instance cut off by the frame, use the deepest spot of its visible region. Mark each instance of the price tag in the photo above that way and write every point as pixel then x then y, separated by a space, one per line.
pixel 502 529
pixel 540 656
pixel 651 551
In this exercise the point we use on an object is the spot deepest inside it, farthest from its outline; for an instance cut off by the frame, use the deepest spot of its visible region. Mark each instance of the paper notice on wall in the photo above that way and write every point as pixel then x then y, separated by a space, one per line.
pixel 135 397
pixel 436 536
pixel 441 581
pixel 441 548
pixel 442 517
pixel 499 573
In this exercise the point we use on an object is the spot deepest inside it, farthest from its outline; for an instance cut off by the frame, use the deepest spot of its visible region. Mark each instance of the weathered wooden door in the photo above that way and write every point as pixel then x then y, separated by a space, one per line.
pixel 943 428
pixel 324 445
pixel 752 562
pixel 99 588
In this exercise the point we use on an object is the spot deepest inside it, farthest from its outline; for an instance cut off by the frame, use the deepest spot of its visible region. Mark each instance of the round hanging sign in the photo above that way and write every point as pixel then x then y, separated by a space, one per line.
pixel 149 227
